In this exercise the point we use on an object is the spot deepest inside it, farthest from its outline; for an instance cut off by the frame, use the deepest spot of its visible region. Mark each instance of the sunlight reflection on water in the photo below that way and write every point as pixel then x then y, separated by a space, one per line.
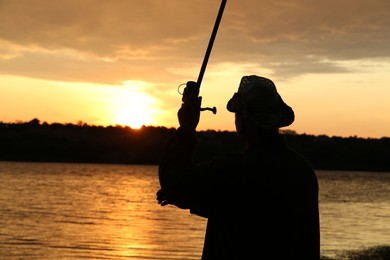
pixel 74 211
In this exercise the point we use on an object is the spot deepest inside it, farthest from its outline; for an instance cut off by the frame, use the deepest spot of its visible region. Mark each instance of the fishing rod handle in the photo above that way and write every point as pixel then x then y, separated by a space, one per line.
pixel 191 94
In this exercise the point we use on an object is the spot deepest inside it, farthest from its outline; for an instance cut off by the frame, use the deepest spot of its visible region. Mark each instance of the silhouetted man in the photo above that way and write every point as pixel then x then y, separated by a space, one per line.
pixel 261 203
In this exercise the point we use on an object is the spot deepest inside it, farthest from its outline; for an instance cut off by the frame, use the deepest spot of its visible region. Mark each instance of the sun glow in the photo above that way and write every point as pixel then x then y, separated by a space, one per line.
pixel 132 108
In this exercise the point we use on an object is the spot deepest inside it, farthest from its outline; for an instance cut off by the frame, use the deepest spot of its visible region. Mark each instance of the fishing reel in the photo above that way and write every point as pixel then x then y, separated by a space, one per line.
pixel 191 93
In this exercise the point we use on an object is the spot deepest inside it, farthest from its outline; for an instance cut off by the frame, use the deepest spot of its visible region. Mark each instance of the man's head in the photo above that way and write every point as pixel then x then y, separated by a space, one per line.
pixel 258 100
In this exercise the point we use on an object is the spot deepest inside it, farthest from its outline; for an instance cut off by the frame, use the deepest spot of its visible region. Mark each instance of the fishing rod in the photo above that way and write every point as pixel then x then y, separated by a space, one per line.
pixel 191 91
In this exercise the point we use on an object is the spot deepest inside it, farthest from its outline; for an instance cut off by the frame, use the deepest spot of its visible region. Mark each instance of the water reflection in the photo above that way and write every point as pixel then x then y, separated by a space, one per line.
pixel 77 211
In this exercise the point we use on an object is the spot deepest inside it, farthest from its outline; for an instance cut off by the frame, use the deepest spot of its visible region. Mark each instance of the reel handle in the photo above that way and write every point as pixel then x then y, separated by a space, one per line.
pixel 191 93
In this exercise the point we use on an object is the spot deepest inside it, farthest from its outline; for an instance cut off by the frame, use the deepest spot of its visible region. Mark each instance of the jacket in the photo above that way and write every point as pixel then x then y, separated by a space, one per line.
pixel 260 204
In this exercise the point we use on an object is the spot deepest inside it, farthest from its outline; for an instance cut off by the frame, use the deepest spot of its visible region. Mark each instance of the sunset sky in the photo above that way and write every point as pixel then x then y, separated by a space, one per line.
pixel 120 62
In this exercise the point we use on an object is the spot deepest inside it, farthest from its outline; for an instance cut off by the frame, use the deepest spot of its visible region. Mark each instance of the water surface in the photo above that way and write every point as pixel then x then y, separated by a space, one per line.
pixel 94 211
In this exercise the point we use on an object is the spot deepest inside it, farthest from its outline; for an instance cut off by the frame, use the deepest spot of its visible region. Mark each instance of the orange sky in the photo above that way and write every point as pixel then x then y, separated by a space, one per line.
pixel 121 61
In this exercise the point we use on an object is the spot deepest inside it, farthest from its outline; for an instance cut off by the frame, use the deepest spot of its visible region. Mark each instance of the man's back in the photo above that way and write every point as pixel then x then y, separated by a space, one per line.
pixel 266 207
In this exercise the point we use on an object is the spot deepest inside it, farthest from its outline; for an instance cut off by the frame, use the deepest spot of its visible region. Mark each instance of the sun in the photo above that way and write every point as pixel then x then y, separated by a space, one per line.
pixel 132 107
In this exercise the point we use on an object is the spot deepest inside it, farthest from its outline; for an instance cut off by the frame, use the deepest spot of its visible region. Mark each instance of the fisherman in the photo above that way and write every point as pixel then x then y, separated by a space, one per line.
pixel 261 203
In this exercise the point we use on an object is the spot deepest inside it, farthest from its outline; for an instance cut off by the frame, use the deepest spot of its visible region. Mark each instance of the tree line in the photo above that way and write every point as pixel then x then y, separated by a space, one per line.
pixel 42 142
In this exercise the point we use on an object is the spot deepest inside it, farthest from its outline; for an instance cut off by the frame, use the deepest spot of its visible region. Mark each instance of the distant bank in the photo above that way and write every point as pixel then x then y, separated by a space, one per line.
pixel 41 142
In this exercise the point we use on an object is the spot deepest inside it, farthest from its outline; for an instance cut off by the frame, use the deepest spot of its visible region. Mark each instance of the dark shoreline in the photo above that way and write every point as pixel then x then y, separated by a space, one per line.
pixel 380 252
pixel 41 142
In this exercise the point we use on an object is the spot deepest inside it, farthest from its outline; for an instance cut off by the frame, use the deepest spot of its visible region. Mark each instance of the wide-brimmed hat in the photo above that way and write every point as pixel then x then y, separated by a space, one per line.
pixel 258 99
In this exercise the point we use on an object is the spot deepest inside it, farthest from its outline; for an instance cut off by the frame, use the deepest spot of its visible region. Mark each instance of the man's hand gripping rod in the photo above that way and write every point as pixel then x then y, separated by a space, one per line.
pixel 191 91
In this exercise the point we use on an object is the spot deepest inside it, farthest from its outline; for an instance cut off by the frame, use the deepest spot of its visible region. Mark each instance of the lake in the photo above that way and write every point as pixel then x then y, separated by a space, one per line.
pixel 102 211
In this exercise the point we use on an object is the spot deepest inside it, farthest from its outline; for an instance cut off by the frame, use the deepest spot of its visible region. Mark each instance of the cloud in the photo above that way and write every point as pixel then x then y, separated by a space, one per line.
pixel 114 41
